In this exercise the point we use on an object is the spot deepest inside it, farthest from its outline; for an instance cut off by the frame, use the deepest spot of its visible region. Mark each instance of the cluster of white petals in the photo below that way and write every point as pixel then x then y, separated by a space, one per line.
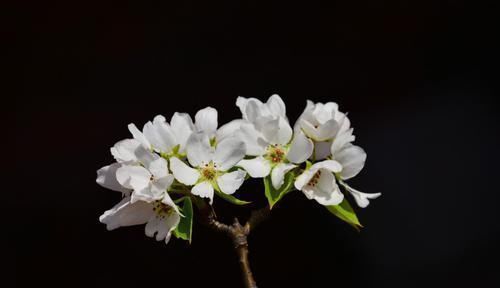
pixel 199 159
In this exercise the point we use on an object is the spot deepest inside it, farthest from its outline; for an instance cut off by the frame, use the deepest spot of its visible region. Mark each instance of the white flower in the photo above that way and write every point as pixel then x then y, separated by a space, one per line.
pixel 324 123
pixel 352 158
pixel 131 152
pixel 157 135
pixel 125 152
pixel 160 218
pixel 274 107
pixel 148 185
pixel 267 134
pixel 170 139
pixel 211 165
pixel 318 183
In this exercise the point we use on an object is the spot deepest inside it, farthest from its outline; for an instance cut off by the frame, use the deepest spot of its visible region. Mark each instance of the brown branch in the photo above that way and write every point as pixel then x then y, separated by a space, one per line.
pixel 238 235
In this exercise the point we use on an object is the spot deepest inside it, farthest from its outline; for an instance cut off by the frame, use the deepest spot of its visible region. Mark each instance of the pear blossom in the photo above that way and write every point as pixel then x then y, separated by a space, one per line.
pixel 147 184
pixel 324 123
pixel 318 182
pixel 268 136
pixel 170 139
pixel 211 165
pixel 160 218
pixel 125 152
pixel 186 159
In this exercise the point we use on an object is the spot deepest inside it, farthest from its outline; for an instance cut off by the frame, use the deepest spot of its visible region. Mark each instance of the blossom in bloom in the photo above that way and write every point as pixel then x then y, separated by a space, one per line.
pixel 268 136
pixel 160 218
pixel 323 123
pixel 318 182
pixel 125 152
pixel 148 184
pixel 211 165
pixel 170 138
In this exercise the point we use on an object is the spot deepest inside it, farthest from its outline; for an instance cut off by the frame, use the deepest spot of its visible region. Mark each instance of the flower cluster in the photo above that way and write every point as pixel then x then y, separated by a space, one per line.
pixel 162 168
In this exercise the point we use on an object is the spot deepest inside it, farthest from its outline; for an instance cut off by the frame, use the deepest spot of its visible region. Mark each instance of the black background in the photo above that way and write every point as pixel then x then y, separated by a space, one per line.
pixel 415 76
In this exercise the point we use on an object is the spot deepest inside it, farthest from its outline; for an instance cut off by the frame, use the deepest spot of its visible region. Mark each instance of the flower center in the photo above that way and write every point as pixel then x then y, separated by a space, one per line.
pixel 162 210
pixel 275 153
pixel 314 180
pixel 209 171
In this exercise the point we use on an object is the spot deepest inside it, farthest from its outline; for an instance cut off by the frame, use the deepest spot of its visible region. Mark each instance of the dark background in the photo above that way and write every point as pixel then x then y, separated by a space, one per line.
pixel 415 76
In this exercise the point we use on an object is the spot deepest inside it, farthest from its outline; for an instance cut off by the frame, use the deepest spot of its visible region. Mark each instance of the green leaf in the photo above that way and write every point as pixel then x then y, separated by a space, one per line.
pixel 274 195
pixel 345 212
pixel 231 198
pixel 185 227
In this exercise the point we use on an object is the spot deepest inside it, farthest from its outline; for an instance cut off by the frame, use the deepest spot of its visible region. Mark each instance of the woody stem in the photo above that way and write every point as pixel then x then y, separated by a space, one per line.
pixel 238 235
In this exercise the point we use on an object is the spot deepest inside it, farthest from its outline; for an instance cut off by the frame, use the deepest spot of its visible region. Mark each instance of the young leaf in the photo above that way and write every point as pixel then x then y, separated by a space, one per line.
pixel 185 227
pixel 274 195
pixel 231 198
pixel 345 212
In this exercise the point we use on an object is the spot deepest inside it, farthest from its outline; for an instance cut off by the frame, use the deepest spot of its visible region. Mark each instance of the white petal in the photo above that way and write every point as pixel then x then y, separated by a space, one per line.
pixel 322 150
pixel 124 151
pixel 276 131
pixel 278 174
pixel 229 152
pixel 228 129
pixel 182 126
pixel 159 168
pixel 230 182
pixel 326 191
pixel 306 115
pixel 341 140
pixel 160 228
pixel 167 200
pixel 352 159
pixel 138 135
pixel 324 112
pixel 127 214
pixel 171 223
pixel 344 122
pixel 182 172
pixel 130 151
pixel 159 187
pixel 254 140
pixel 276 106
pixel 301 148
pixel 144 195
pixel 257 167
pixel 204 190
pixel 320 132
pixel 330 165
pixel 250 108
pixel 303 179
pixel 241 102
pixel 362 199
pixel 206 120
pixel 106 177
pixel 198 149
pixel 160 135
pixel 330 192
pixel 134 177
pixel 145 156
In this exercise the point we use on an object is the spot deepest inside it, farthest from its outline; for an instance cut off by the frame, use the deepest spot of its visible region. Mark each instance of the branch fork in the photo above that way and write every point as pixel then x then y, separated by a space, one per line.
pixel 239 234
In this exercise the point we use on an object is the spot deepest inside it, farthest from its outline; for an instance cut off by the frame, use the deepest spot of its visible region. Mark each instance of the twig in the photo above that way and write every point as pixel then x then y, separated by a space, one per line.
pixel 238 235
